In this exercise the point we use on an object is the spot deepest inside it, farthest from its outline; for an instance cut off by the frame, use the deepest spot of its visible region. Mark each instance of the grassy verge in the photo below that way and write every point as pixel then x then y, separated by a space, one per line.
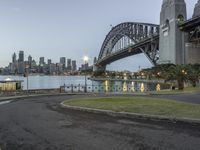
pixel 141 105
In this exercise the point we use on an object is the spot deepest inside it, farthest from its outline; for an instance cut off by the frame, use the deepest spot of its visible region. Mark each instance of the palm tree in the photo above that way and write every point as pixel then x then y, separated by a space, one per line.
pixel 177 73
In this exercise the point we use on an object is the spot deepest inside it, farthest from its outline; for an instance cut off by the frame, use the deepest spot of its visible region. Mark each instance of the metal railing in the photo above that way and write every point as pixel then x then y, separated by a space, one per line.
pixel 137 88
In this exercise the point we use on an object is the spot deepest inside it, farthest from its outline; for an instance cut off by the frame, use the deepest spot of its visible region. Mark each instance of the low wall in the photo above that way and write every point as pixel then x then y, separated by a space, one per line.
pixel 36 91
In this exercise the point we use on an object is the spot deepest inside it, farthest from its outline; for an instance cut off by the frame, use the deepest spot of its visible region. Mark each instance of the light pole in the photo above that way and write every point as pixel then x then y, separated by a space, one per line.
pixel 26 75
pixel 85 58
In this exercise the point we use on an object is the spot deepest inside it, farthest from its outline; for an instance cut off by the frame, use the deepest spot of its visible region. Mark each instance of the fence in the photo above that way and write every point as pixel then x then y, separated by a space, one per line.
pixel 127 88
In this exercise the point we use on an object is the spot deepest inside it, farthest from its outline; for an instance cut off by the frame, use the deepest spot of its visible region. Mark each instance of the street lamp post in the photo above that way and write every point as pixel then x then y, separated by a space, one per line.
pixel 85 58
pixel 26 75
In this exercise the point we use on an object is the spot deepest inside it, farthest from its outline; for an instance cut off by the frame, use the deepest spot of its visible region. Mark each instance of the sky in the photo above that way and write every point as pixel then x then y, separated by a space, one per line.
pixel 70 28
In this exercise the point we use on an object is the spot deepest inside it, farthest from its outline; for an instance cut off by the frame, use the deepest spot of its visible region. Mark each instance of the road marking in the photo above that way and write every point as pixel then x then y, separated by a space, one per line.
pixel 2 103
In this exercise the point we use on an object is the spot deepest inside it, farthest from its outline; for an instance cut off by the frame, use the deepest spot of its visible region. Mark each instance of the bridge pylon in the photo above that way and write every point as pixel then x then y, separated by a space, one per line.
pixel 172 39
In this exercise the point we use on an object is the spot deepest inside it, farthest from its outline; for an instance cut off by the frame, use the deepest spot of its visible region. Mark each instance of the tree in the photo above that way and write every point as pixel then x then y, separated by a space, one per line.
pixel 193 74
pixel 98 73
pixel 177 73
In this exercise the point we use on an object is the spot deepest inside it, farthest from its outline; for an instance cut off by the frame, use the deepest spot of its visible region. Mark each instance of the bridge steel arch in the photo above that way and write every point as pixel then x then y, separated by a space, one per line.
pixel 144 37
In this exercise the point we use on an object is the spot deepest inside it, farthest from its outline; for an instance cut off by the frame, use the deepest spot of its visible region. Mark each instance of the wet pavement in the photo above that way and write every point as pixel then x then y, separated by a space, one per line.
pixel 39 123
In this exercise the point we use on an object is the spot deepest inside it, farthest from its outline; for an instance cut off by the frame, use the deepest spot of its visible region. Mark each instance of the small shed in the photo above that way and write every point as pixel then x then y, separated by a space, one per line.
pixel 10 85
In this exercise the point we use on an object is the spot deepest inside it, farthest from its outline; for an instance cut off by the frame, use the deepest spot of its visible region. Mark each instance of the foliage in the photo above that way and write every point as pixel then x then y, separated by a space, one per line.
pixel 193 74
pixel 98 73
pixel 179 73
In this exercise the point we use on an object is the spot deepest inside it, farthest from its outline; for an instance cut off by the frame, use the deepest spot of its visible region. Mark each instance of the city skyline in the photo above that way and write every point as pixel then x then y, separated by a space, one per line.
pixel 63 28
pixel 26 57
pixel 21 65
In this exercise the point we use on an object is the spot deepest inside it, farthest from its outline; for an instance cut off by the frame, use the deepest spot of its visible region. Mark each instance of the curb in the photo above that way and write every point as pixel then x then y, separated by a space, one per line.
pixel 39 95
pixel 133 115
pixel 60 94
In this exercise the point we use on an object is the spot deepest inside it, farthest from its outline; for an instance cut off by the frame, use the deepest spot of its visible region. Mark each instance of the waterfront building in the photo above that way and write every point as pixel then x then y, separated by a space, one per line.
pixel 10 85
pixel 14 58
pixel 41 61
pixel 52 69
pixel 60 69
pixel 21 67
pixel 49 61
pixel 84 66
pixel 30 61
pixel 21 56
pixel 69 64
pixel 74 67
pixel 34 67
pixel 14 64
pixel 63 63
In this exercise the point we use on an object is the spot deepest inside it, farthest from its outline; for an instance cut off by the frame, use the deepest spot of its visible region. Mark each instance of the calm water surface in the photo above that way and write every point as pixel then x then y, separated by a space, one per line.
pixel 48 82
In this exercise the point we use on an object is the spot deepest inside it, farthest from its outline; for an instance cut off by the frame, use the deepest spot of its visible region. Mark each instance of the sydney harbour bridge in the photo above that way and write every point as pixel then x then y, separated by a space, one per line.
pixel 132 38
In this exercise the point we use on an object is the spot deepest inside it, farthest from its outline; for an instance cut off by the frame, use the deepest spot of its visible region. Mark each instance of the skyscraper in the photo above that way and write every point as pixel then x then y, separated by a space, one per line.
pixel 63 62
pixel 74 67
pixel 30 61
pixel 13 65
pixel 21 56
pixel 14 58
pixel 69 64
pixel 41 62
pixel 21 65
pixel 49 61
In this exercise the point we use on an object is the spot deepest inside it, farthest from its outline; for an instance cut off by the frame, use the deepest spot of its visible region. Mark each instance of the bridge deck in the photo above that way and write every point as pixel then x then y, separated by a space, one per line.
pixel 129 51
pixel 190 24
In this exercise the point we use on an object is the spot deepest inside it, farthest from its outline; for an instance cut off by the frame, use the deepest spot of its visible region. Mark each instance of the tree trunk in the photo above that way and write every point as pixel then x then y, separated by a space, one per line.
pixel 194 83
pixel 180 84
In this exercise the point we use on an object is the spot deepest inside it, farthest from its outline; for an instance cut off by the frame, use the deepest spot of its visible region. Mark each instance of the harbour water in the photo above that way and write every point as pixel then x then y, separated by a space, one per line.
pixel 76 83
pixel 47 82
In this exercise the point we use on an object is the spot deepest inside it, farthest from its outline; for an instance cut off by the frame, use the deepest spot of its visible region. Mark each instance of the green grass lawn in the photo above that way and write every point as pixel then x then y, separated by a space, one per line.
pixel 141 105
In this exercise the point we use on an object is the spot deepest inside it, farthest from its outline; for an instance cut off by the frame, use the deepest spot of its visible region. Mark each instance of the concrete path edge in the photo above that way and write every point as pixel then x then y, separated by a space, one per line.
pixel 37 95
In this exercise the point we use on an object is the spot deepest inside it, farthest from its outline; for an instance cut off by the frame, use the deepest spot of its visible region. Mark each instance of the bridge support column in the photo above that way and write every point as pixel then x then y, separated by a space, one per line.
pixel 172 40
pixel 101 68
pixel 192 53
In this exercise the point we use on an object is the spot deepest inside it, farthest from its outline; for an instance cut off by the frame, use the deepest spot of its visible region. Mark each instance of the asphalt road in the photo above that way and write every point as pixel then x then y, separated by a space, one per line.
pixel 189 98
pixel 41 124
